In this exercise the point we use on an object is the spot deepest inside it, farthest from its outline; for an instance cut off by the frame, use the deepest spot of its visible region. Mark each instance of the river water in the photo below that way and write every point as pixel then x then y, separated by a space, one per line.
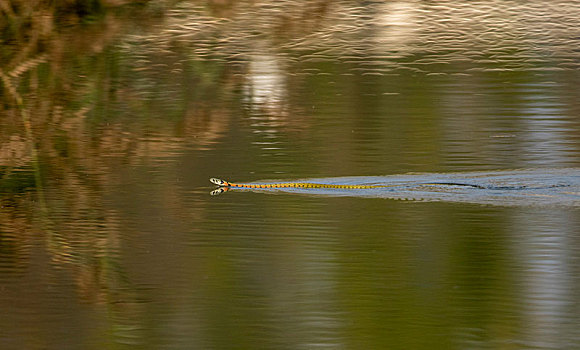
pixel 111 129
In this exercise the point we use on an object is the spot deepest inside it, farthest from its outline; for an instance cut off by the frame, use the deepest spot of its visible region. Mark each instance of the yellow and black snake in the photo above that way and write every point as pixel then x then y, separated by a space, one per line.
pixel 225 185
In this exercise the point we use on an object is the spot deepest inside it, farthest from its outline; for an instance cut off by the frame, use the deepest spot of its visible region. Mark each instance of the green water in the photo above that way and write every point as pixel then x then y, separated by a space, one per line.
pixel 111 127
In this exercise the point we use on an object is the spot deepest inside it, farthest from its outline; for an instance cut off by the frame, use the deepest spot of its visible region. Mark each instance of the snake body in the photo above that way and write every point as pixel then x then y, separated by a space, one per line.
pixel 226 184
pixel 223 183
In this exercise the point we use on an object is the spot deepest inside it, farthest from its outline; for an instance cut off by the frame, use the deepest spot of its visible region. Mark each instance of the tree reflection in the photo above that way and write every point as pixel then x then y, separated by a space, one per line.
pixel 270 87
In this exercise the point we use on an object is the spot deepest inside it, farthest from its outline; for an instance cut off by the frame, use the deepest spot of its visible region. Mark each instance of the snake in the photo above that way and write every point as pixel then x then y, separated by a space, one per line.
pixel 223 183
pixel 226 185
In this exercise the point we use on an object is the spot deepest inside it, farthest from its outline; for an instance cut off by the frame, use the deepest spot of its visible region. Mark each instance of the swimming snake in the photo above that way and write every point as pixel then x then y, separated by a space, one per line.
pixel 225 185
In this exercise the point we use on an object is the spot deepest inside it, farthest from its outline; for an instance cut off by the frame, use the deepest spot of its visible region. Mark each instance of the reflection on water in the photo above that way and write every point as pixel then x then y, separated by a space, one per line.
pixel 110 128
pixel 548 293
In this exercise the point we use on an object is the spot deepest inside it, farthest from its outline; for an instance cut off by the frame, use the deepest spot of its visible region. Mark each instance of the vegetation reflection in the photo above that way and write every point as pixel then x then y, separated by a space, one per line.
pixel 317 88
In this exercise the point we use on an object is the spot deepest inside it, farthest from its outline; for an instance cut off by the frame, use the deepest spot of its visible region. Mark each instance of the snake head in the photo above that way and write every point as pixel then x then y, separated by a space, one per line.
pixel 218 182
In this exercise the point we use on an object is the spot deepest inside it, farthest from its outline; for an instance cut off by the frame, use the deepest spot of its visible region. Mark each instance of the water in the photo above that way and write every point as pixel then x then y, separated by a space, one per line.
pixel 109 237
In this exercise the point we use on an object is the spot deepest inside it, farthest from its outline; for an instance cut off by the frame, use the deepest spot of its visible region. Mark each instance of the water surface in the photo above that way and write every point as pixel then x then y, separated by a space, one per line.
pixel 111 127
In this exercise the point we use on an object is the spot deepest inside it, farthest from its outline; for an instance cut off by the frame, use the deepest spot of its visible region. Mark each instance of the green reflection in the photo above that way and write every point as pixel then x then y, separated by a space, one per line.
pixel 112 119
